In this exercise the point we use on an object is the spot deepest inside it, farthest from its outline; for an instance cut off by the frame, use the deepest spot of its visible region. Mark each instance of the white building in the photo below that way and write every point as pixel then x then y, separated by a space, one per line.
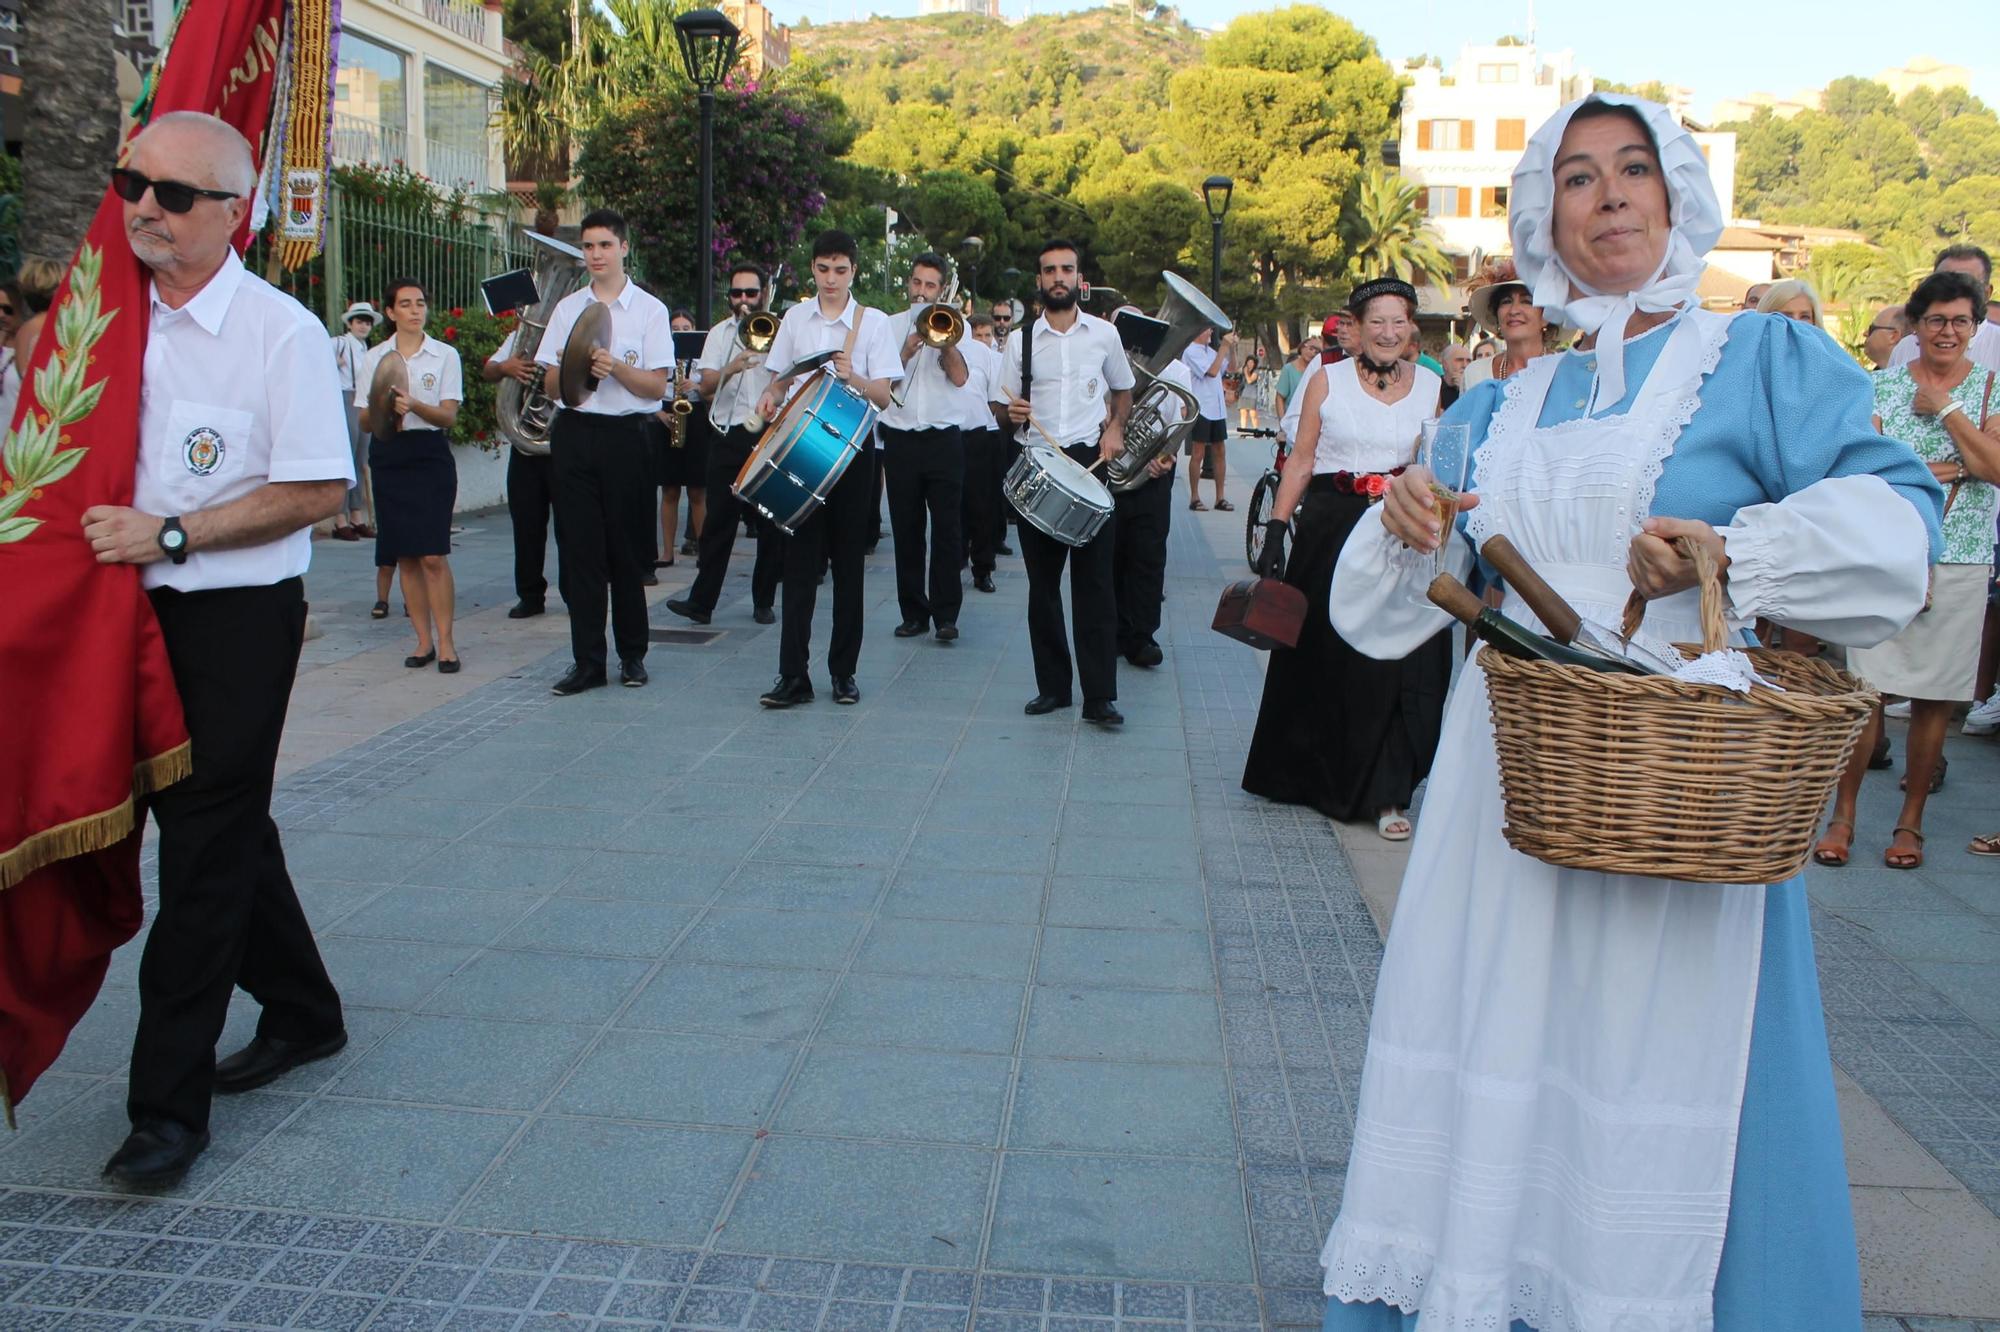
pixel 419 82
pixel 1464 129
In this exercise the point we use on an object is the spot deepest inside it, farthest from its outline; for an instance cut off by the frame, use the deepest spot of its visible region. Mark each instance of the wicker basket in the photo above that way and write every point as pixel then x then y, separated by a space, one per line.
pixel 1645 774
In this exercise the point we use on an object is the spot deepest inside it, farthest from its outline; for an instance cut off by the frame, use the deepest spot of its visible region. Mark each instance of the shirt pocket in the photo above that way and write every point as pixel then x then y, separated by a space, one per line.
pixel 205 455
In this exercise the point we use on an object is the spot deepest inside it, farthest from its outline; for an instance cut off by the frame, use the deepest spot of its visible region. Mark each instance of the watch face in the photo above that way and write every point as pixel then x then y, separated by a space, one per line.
pixel 173 538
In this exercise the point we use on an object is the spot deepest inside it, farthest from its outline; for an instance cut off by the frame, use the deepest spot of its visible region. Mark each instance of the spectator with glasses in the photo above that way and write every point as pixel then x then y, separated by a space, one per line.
pixel 1976 264
pixel 1888 328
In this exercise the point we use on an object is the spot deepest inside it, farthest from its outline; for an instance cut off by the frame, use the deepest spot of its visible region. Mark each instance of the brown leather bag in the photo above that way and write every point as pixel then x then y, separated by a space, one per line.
pixel 1266 613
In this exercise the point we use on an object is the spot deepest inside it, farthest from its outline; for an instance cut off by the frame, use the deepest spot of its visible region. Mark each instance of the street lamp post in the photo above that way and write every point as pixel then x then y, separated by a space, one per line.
pixel 1215 191
pixel 970 247
pixel 708 49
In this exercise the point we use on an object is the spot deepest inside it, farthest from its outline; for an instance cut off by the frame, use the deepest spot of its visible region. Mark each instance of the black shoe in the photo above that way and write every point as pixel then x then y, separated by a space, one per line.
pixel 911 628
pixel 687 547
pixel 267 1059
pixel 448 667
pixel 845 690
pixel 523 610
pixel 632 673
pixel 687 610
pixel 764 615
pixel 580 678
pixel 983 582
pixel 788 691
pixel 155 1155
pixel 1104 712
pixel 414 662
pixel 650 579
pixel 1042 704
pixel 1146 654
pixel 947 632
pixel 1003 549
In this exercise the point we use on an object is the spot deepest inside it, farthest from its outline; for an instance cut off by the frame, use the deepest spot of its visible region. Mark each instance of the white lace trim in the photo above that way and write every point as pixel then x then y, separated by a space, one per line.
pixel 1682 403
pixel 1542 370
pixel 1365 1266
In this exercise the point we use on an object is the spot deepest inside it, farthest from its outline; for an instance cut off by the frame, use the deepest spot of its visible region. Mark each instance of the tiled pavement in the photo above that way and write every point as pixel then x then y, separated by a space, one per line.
pixel 669 1011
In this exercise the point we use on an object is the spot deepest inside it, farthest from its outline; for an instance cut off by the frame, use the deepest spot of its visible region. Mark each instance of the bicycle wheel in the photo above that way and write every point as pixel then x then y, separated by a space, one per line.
pixel 1261 497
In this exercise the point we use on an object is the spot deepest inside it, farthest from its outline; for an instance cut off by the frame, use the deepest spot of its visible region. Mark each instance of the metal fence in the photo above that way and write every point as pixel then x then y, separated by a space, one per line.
pixel 369 243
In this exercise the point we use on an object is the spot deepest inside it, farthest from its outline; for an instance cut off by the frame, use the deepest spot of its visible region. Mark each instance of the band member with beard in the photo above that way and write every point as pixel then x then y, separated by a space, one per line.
pixel 732 379
pixel 1067 370
pixel 864 358
pixel 984 507
pixel 603 472
pixel 1139 550
pixel 923 459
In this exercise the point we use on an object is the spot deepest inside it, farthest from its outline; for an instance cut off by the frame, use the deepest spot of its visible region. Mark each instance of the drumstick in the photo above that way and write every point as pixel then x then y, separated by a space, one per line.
pixel 1039 427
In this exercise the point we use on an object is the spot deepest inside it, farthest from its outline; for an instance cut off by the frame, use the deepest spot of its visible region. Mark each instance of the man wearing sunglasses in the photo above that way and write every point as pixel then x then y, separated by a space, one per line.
pixel 242 448
pixel 1888 328
pixel 1976 264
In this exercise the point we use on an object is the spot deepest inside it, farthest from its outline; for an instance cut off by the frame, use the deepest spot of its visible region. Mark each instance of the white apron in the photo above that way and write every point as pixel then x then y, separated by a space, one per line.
pixel 1548 1111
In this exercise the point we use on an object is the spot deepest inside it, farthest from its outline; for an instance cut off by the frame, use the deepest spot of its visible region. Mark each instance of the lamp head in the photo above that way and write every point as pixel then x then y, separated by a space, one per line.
pixel 1215 191
pixel 708 42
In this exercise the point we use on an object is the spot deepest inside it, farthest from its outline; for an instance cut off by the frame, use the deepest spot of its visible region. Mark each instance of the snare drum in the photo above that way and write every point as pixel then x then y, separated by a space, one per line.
pixel 805 451
pixel 1057 495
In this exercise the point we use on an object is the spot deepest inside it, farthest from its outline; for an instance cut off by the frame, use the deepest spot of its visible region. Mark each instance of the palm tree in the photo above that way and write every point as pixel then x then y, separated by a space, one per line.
pixel 1385 231
pixel 70 138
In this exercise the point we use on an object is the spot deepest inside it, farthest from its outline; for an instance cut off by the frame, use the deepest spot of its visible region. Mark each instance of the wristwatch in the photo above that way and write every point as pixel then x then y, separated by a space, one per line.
pixel 174 540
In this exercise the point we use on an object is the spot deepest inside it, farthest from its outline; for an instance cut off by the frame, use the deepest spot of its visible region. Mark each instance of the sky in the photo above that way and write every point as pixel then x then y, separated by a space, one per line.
pixel 1719 48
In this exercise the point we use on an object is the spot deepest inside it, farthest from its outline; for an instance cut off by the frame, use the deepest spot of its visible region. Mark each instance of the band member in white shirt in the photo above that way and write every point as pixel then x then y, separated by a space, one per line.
pixel 733 378
pixel 984 507
pixel 604 490
pixel 923 457
pixel 1139 549
pixel 1210 439
pixel 242 448
pixel 349 346
pixel 864 358
pixel 531 491
pixel 1077 387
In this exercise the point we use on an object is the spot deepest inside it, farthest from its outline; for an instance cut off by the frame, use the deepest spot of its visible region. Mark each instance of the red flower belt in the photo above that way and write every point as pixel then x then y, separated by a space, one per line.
pixel 1373 485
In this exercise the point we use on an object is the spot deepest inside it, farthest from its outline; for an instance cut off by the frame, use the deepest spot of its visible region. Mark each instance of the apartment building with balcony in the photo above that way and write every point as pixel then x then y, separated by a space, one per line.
pixel 766 44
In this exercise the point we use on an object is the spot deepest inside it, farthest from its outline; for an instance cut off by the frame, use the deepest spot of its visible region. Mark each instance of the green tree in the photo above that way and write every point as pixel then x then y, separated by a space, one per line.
pixel 1852 99
pixel 948 206
pixel 541 26
pixel 1386 232
pixel 1964 146
pixel 1147 229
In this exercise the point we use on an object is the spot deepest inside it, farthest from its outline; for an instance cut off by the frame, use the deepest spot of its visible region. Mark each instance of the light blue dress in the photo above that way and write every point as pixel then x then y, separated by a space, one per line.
pixel 1783 408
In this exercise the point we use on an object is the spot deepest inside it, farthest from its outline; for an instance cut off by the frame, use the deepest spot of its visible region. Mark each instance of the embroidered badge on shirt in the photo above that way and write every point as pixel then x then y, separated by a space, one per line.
pixel 430 380
pixel 202 450
pixel 1091 388
pixel 632 357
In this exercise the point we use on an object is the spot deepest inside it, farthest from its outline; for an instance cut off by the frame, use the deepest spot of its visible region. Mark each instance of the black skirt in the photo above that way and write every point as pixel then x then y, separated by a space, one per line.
pixel 1339 731
pixel 416 487
pixel 686 466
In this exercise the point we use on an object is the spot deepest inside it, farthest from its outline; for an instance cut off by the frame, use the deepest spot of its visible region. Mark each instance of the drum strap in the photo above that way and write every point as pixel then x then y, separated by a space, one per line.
pixel 1028 362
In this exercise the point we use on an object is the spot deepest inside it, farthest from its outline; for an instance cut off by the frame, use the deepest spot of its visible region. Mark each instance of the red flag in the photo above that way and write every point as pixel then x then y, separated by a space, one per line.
pixel 93 719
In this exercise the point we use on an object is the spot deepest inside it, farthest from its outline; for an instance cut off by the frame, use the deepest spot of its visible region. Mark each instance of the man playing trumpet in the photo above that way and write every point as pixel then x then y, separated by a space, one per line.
pixel 924 456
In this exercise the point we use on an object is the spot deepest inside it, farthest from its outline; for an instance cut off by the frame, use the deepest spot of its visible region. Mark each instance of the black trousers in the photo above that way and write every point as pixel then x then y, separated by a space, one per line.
pixel 836 531
pixel 531 497
pixel 984 509
pixel 1139 560
pixel 604 513
pixel 1090 584
pixel 926 476
pixel 228 915
pixel 726 457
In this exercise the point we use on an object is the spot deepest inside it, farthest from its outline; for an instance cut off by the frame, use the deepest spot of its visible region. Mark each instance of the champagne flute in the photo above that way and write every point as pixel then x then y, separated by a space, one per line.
pixel 1446 452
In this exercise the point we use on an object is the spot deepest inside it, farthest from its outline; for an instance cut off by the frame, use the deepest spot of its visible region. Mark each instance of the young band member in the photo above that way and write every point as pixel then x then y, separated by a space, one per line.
pixel 733 378
pixel 864 358
pixel 603 504
pixel 1077 387
pixel 1139 547
pixel 924 461
pixel 682 468
pixel 531 491
pixel 1211 428
pixel 349 346
pixel 242 448
pixel 984 507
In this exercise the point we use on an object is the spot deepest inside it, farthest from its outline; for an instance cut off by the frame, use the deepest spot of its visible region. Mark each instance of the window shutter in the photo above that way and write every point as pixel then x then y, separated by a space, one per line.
pixel 1423 135
pixel 1424 201
pixel 1512 135
pixel 1465 194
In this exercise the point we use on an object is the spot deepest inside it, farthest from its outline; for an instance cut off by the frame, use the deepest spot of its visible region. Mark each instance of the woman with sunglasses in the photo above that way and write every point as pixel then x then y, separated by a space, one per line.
pixel 416 481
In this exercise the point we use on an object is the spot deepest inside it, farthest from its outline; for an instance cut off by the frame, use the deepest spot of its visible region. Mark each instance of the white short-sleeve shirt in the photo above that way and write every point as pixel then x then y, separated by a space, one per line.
pixel 1207 387
pixel 1073 372
pixel 804 331
pixel 347 353
pixel 930 399
pixel 1177 373
pixel 642 335
pixel 982 372
pixel 436 376
pixel 735 400
pixel 236 390
pixel 505 349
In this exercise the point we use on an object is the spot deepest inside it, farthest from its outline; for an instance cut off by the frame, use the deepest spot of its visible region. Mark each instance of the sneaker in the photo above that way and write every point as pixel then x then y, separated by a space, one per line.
pixel 1900 711
pixel 1984 719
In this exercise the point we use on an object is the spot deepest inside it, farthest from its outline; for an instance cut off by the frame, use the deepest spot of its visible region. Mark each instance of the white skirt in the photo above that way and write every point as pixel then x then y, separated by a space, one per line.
pixel 1937 656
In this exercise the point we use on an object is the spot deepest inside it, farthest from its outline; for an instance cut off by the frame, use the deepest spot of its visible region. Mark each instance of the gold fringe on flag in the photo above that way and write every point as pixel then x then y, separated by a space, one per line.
pixel 306 111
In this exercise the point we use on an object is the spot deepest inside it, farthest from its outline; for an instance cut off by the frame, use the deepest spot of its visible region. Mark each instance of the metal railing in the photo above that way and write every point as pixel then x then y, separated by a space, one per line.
pixel 467 18
pixel 468 169
pixel 366 142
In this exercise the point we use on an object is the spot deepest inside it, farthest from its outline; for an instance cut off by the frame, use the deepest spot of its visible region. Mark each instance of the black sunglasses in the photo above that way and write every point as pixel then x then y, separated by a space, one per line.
pixel 746 291
pixel 174 196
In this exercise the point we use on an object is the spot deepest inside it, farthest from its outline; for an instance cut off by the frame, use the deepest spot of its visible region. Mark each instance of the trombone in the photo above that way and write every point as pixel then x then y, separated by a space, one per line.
pixel 756 331
pixel 938 326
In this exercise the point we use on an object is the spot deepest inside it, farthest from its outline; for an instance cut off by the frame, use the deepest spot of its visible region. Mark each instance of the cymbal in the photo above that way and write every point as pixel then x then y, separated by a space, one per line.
pixel 592 332
pixel 392 376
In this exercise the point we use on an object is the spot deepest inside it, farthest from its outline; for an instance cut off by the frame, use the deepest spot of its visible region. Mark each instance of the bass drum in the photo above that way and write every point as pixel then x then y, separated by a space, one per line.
pixel 1057 495
pixel 805 451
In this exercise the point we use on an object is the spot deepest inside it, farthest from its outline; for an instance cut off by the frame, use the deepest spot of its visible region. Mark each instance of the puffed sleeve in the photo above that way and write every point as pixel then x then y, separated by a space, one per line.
pixel 1378 603
pixel 1843 550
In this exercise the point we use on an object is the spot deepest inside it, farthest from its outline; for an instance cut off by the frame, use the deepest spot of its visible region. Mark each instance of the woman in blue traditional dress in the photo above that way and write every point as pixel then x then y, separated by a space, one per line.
pixel 1598 1103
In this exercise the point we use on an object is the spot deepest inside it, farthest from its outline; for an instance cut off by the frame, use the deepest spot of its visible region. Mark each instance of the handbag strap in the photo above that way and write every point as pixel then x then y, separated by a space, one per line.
pixel 1985 407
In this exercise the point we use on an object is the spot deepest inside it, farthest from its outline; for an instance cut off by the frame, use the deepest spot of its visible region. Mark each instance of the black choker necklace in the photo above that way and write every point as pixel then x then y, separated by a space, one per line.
pixel 1383 374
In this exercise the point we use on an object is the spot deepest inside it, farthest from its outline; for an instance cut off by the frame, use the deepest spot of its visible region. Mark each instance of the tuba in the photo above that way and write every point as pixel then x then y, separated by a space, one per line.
pixel 525 414
pixel 1163 414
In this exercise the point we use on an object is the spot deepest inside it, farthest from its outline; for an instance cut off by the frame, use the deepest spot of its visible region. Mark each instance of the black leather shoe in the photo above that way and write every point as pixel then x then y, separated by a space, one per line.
pixel 1043 704
pixel 632 673
pixel 789 690
pixel 687 610
pixel 845 690
pixel 984 582
pixel 764 615
pixel 1146 654
pixel 911 628
pixel 414 662
pixel 267 1059
pixel 1003 549
pixel 523 610
pixel 947 632
pixel 155 1155
pixel 687 547
pixel 579 679
pixel 649 579
pixel 1104 712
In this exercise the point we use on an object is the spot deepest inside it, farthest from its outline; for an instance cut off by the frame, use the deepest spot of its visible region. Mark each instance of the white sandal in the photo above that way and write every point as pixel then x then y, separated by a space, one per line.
pixel 1393 825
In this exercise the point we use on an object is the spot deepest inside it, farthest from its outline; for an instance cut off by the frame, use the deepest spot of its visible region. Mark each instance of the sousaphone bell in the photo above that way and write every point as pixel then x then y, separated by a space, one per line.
pixel 591 333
